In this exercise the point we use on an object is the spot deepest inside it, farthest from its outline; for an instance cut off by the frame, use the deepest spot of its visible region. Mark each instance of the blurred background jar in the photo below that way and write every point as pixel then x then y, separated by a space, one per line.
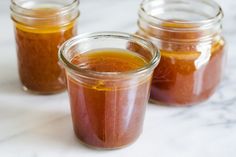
pixel 188 34
pixel 41 26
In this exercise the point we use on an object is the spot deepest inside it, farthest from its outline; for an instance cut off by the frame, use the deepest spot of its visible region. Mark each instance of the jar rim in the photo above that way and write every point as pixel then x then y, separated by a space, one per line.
pixel 108 34
pixel 15 7
pixel 198 23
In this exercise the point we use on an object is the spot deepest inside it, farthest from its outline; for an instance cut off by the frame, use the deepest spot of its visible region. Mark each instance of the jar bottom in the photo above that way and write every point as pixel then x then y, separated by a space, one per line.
pixel 43 92
pixel 160 103
pixel 90 146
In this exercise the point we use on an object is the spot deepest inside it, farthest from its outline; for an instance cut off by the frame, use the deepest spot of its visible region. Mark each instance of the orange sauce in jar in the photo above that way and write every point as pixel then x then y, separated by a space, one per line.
pixel 37 50
pixel 108 113
pixel 184 78
pixel 192 49
pixel 189 70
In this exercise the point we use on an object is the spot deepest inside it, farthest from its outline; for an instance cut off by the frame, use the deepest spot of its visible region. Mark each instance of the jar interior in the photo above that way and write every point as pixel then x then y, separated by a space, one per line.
pixel 106 43
pixel 182 10
pixel 29 4
pixel 44 13
pixel 85 44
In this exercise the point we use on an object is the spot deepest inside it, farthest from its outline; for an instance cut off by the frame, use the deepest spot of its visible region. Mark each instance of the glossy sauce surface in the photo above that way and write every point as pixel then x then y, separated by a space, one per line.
pixel 108 113
pixel 109 60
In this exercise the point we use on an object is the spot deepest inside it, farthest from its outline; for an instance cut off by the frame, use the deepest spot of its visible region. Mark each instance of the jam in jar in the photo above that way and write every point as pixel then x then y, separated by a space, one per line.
pixel 108 86
pixel 40 28
pixel 191 45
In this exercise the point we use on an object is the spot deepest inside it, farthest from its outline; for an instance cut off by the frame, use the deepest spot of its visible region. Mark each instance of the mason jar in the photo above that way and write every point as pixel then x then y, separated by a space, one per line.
pixel 108 96
pixel 41 26
pixel 188 35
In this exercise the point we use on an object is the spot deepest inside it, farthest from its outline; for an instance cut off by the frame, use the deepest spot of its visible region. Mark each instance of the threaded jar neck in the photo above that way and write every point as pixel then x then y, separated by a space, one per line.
pixel 44 12
pixel 180 20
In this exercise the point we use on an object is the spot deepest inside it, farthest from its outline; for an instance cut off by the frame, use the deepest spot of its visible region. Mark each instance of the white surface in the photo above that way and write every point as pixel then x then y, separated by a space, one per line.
pixel 40 126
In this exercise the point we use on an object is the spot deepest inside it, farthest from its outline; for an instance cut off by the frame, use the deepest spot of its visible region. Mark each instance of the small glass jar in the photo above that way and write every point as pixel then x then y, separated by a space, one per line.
pixel 188 35
pixel 108 107
pixel 40 28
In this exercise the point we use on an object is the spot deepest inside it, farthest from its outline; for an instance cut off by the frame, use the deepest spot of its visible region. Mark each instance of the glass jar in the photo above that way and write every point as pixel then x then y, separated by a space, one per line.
pixel 107 105
pixel 188 35
pixel 40 28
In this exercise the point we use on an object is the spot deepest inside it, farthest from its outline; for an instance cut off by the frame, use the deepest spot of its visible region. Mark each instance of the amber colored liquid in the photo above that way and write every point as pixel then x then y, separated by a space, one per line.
pixel 180 79
pixel 109 60
pixel 189 72
pixel 37 47
pixel 108 113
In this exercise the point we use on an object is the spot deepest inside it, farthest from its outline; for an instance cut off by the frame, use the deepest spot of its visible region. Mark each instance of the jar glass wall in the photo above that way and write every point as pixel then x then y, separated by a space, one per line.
pixel 188 34
pixel 108 103
pixel 41 26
